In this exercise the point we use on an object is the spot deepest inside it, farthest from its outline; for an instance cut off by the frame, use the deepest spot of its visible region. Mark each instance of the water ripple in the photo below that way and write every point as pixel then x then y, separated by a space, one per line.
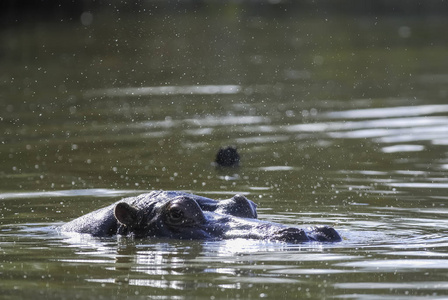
pixel 166 90
pixel 388 112
pixel 421 285
pixel 405 124
pixel 403 148
pixel 227 120
pixel 69 193
pixel 396 264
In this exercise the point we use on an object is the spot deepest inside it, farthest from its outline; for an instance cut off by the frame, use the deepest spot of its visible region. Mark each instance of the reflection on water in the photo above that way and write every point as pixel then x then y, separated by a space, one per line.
pixel 385 129
pixel 390 112
pixel 175 267
pixel 68 193
pixel 166 90
pixel 339 121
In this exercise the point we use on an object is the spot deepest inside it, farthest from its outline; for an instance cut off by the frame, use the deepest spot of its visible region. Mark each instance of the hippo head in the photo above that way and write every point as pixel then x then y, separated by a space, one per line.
pixel 178 218
pixel 179 215
pixel 183 217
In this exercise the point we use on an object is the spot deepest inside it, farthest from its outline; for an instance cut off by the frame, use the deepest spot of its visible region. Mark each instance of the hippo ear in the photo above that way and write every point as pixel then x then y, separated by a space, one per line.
pixel 125 214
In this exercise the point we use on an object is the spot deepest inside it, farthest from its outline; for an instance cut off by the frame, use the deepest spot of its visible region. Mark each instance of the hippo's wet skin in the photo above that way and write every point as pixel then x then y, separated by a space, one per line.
pixel 179 215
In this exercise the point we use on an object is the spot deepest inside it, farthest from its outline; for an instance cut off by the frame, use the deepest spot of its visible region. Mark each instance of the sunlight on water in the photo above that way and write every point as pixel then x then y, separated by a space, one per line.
pixel 277 168
pixel 389 112
pixel 420 185
pixel 166 90
pixel 70 193
pixel 227 120
pixel 403 148
pixel 392 265
pixel 371 124
pixel 408 285
pixel 418 126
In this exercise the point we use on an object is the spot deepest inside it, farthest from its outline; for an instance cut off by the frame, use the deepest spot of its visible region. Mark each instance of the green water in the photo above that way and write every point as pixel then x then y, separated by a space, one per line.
pixel 339 120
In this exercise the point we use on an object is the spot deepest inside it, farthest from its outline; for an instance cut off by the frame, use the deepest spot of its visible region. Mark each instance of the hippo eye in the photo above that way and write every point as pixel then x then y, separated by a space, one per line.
pixel 176 214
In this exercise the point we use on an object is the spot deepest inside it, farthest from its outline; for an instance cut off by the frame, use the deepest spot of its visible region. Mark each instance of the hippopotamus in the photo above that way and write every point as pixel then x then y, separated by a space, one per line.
pixel 184 216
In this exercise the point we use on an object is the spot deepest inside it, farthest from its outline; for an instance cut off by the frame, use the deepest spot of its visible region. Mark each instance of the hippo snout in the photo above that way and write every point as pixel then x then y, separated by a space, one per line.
pixel 291 235
pixel 324 234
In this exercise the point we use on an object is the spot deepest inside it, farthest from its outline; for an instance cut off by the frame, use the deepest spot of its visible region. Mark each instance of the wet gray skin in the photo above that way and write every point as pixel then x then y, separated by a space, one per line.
pixel 179 215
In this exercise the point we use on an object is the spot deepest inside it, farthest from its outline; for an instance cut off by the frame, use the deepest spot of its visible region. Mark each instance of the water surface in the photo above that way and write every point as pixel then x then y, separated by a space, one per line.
pixel 339 120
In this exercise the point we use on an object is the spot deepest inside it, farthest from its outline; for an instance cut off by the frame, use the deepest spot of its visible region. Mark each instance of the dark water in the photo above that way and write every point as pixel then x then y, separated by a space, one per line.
pixel 339 120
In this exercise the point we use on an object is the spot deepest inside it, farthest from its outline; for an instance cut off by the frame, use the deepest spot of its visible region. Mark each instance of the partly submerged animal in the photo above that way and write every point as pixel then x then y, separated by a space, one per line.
pixel 227 157
pixel 180 215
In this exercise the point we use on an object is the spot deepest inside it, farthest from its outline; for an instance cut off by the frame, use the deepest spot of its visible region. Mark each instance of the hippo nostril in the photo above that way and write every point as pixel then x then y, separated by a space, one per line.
pixel 324 234
pixel 291 235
